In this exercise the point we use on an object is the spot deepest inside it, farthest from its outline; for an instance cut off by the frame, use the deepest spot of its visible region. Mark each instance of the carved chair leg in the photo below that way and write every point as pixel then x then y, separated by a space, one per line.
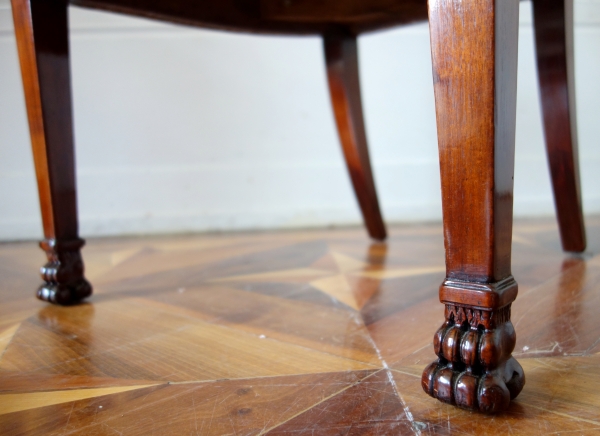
pixel 42 40
pixel 553 21
pixel 474 52
pixel 342 72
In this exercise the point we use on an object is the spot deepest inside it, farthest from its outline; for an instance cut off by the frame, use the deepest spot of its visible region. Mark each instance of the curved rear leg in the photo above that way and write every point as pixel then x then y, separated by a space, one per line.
pixel 344 88
pixel 553 21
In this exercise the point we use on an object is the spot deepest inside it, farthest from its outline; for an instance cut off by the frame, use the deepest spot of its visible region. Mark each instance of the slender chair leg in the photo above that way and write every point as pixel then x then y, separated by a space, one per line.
pixel 341 57
pixel 554 45
pixel 42 40
pixel 474 53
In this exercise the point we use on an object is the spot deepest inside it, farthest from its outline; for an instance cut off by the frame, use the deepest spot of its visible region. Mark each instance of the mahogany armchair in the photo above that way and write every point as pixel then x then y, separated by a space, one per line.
pixel 474 51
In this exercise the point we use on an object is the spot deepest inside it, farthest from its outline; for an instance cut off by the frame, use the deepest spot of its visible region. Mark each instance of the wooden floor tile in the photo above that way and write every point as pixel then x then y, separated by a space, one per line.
pixel 334 330
pixel 130 339
pixel 371 406
pixel 220 407
pixel 564 386
pixel 560 396
pixel 558 317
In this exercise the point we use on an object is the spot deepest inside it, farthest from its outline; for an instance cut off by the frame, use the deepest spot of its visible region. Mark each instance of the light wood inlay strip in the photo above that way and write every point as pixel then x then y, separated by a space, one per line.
pixel 6 336
pixel 10 403
pixel 397 273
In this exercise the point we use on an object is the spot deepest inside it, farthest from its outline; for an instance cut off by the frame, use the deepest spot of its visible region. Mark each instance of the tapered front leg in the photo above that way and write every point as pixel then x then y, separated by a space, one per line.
pixel 474 52
pixel 341 56
pixel 553 21
pixel 42 38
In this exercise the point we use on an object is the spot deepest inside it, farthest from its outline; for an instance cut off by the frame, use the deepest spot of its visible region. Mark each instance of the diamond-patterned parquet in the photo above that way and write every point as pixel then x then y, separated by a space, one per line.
pixel 313 332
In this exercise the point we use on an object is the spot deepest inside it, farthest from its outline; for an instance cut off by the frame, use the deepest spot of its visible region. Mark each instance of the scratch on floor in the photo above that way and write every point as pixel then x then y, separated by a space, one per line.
pixel 596 342
pixel 69 419
pixel 551 349
pixel 264 431
pixel 406 373
pixel 564 415
pixel 561 432
pixel 386 368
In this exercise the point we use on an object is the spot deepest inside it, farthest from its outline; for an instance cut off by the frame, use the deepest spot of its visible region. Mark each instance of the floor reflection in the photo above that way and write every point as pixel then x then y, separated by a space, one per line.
pixel 293 332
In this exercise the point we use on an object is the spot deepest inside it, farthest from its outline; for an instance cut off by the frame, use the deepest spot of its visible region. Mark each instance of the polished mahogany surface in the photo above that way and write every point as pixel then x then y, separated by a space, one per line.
pixel 299 333
pixel 474 57
pixel 274 16
pixel 553 25
pixel 41 30
pixel 341 59
pixel 475 113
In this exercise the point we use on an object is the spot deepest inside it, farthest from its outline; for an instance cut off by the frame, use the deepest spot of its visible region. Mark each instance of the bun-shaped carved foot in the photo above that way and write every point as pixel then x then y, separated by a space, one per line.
pixel 63 273
pixel 489 392
pixel 475 369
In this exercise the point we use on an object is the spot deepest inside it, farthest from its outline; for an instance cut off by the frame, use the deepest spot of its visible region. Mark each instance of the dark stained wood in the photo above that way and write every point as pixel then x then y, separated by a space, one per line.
pixel 475 369
pixel 474 68
pixel 273 16
pixel 341 55
pixel 41 30
pixel 337 11
pixel 35 53
pixel 553 24
pixel 474 52
pixel 480 295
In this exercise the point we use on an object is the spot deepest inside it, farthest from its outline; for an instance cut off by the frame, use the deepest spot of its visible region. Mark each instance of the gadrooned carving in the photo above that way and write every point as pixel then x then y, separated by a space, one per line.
pixel 64 282
pixel 475 369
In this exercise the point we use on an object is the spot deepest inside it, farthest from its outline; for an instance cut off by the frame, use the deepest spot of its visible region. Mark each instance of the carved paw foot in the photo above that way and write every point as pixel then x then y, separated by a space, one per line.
pixel 475 369
pixel 63 274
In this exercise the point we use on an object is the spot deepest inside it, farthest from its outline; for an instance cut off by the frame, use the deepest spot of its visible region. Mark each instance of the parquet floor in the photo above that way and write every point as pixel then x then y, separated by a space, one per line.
pixel 295 333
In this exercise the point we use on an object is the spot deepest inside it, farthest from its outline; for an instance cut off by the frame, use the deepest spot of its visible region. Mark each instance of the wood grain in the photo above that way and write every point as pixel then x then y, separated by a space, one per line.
pixel 474 52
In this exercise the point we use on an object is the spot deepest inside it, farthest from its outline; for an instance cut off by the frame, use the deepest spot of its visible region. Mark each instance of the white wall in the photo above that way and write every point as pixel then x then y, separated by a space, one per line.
pixel 181 129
